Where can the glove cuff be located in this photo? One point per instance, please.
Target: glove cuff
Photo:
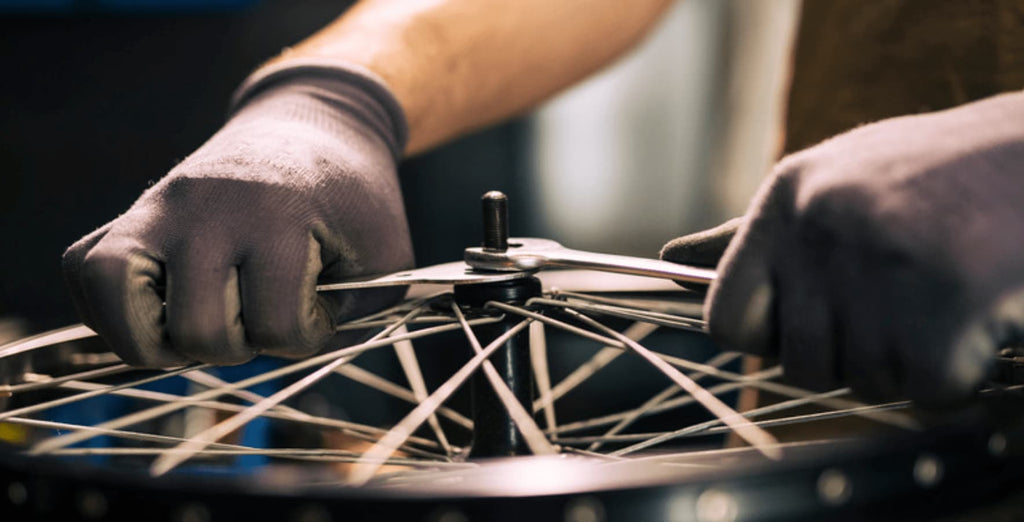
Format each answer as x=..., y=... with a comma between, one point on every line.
x=372, y=101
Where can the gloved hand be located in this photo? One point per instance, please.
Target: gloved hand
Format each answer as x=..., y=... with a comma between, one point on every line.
x=298, y=186
x=889, y=258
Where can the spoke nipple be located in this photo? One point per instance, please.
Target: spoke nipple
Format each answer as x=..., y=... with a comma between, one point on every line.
x=716, y=506
x=997, y=444
x=586, y=509
x=495, y=213
x=927, y=470
x=834, y=487
x=17, y=493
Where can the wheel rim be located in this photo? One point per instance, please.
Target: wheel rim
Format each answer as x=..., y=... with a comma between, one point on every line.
x=424, y=457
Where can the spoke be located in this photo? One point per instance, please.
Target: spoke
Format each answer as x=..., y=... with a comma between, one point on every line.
x=757, y=437
x=558, y=324
x=362, y=431
x=613, y=348
x=678, y=402
x=705, y=427
x=661, y=319
x=383, y=385
x=604, y=356
x=39, y=382
x=366, y=325
x=121, y=434
x=592, y=454
x=195, y=444
x=211, y=381
x=692, y=309
x=740, y=380
x=710, y=457
x=96, y=393
x=397, y=311
x=141, y=416
x=321, y=455
x=62, y=335
x=541, y=374
x=401, y=431
x=214, y=449
x=411, y=367
x=532, y=433
x=854, y=407
x=667, y=393
x=886, y=417
x=809, y=417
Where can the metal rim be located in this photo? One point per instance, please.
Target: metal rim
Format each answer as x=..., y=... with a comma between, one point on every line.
x=718, y=484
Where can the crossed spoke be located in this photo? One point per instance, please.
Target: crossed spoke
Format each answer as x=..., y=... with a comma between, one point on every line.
x=419, y=441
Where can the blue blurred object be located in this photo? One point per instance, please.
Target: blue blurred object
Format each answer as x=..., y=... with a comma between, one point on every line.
x=134, y=6
x=36, y=5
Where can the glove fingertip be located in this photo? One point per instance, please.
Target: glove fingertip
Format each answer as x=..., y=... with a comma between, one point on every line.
x=71, y=267
x=702, y=248
x=953, y=379
x=741, y=312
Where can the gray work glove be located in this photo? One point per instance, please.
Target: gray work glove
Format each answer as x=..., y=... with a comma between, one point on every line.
x=299, y=186
x=890, y=258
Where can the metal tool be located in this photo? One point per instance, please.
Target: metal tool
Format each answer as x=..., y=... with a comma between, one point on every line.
x=455, y=273
x=534, y=254
x=499, y=253
x=504, y=259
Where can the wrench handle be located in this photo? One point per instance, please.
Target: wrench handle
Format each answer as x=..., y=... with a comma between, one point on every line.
x=631, y=265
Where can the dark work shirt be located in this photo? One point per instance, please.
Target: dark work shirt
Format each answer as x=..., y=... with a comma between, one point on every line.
x=858, y=61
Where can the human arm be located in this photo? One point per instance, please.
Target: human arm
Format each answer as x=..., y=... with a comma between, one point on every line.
x=457, y=65
x=219, y=260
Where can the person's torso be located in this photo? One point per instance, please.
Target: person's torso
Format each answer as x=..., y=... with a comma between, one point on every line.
x=858, y=61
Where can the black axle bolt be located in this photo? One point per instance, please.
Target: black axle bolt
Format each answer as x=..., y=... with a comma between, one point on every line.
x=495, y=207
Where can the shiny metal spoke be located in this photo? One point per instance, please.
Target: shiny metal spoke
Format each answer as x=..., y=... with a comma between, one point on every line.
x=35, y=381
x=387, y=445
x=613, y=348
x=411, y=367
x=96, y=393
x=885, y=417
x=756, y=380
x=825, y=415
x=713, y=427
x=196, y=443
x=46, y=339
x=141, y=416
x=541, y=373
x=684, y=309
x=215, y=449
x=667, y=393
x=121, y=434
x=658, y=318
x=211, y=381
x=562, y=325
x=604, y=356
x=321, y=455
x=417, y=448
x=357, y=430
x=532, y=434
x=604, y=420
x=705, y=427
x=385, y=386
x=757, y=437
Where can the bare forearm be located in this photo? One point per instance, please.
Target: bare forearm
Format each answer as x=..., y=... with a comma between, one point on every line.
x=455, y=65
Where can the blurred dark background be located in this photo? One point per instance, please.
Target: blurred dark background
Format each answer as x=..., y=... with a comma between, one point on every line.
x=100, y=98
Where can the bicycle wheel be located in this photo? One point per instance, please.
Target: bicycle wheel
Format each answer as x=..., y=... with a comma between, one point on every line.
x=628, y=415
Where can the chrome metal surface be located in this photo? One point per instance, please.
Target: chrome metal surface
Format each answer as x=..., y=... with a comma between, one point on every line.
x=455, y=273
x=527, y=254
